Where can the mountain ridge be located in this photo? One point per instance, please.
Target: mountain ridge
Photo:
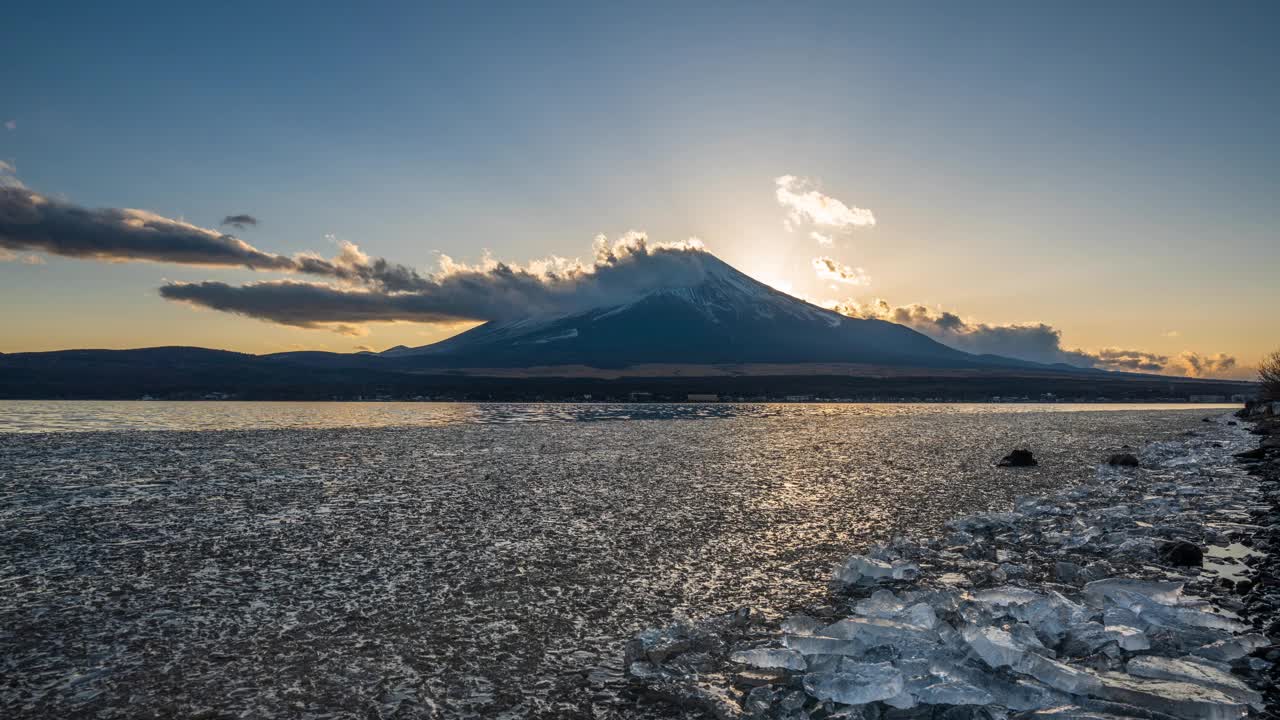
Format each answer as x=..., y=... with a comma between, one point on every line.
x=724, y=317
x=715, y=330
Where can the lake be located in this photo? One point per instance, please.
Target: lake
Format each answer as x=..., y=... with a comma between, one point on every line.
x=84, y=415
x=453, y=560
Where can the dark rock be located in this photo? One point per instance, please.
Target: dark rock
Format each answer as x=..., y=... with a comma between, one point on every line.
x=1183, y=554
x=1123, y=460
x=1254, y=454
x=1206, y=420
x=1244, y=586
x=1232, y=422
x=1018, y=458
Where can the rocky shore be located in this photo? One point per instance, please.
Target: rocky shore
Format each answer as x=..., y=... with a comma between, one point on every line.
x=1262, y=591
x=1151, y=592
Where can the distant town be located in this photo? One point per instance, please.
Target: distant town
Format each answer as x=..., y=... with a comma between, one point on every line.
x=649, y=397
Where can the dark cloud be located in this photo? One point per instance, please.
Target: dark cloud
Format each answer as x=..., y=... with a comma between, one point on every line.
x=30, y=221
x=491, y=291
x=368, y=289
x=1136, y=360
x=1037, y=342
x=307, y=305
x=240, y=221
x=33, y=222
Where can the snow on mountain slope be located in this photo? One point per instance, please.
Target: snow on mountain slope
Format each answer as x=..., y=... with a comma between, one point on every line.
x=722, y=317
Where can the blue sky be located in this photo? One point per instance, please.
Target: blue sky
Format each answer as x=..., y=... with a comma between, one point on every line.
x=1108, y=170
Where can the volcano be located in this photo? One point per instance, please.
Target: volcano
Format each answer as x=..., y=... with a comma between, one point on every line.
x=716, y=315
x=702, y=328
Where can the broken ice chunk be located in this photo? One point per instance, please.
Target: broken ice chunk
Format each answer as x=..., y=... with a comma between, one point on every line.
x=863, y=570
x=1051, y=615
x=1182, y=699
x=1124, y=592
x=1086, y=638
x=1128, y=637
x=995, y=646
x=856, y=683
x=769, y=658
x=1082, y=537
x=921, y=615
x=1004, y=596
x=815, y=645
x=1057, y=675
x=1152, y=613
x=1018, y=694
x=952, y=692
x=884, y=604
x=1232, y=649
x=881, y=604
x=801, y=625
x=1186, y=670
x=1075, y=712
x=1120, y=616
x=871, y=632
x=904, y=700
x=1125, y=627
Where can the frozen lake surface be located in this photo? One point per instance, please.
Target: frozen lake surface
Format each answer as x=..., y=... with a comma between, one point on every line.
x=87, y=415
x=464, y=568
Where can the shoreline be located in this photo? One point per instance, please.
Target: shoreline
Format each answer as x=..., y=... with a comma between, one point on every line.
x=915, y=627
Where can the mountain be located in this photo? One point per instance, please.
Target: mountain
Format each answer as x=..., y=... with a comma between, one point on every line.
x=714, y=331
x=724, y=316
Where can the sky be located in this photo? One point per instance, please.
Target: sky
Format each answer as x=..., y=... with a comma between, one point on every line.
x=1094, y=177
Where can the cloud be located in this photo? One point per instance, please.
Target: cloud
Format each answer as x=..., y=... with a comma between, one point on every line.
x=823, y=240
x=32, y=222
x=363, y=289
x=9, y=177
x=307, y=305
x=491, y=290
x=1135, y=360
x=806, y=204
x=1172, y=334
x=240, y=221
x=25, y=259
x=829, y=269
x=10, y=124
x=1037, y=342
x=1196, y=365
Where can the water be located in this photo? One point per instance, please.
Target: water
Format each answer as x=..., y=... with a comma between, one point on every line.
x=87, y=415
x=468, y=566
